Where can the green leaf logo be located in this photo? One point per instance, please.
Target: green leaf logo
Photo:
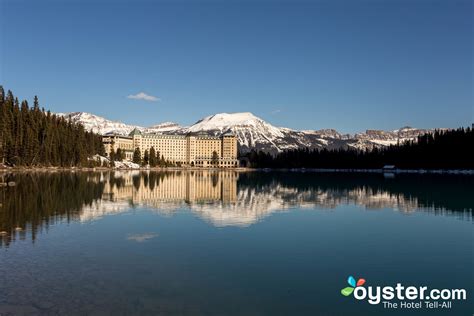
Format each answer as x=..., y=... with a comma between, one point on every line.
x=347, y=291
x=352, y=282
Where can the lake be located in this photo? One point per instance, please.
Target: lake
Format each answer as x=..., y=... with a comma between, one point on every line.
x=229, y=243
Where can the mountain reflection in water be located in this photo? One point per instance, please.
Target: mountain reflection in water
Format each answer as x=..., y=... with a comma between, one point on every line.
x=222, y=198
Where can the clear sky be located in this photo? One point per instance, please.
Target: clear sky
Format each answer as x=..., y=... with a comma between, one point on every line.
x=350, y=65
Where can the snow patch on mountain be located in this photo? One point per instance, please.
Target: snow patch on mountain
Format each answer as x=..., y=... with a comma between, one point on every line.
x=225, y=122
x=164, y=127
x=103, y=126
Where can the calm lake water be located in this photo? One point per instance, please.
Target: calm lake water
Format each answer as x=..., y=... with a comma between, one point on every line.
x=228, y=243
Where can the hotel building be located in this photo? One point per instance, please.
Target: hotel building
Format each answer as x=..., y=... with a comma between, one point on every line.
x=192, y=150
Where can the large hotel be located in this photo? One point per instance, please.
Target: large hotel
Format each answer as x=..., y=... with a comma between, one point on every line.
x=190, y=150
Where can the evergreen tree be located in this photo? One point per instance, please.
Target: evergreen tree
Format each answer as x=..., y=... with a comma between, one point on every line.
x=215, y=158
x=112, y=154
x=146, y=158
x=137, y=156
x=152, y=158
x=162, y=162
x=119, y=155
x=33, y=137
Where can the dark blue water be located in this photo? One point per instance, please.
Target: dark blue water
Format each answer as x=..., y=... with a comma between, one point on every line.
x=224, y=243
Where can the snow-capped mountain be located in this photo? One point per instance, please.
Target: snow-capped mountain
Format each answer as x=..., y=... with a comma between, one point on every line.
x=386, y=138
x=254, y=133
x=102, y=126
x=164, y=127
x=98, y=124
x=251, y=131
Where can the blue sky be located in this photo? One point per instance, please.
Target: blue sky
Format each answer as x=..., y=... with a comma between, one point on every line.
x=349, y=65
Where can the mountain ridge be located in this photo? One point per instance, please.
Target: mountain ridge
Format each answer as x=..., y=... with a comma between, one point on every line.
x=253, y=132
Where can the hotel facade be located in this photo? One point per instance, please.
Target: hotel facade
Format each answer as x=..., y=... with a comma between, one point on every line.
x=197, y=150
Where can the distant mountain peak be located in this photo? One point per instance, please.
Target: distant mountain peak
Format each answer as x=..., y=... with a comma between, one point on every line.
x=226, y=119
x=253, y=133
x=103, y=126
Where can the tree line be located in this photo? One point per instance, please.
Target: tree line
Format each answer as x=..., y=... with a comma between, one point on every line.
x=442, y=149
x=150, y=157
x=31, y=136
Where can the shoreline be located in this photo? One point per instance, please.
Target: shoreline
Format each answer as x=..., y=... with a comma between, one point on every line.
x=160, y=169
x=379, y=171
x=245, y=169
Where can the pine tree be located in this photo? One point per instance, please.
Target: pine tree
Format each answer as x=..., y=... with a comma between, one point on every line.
x=33, y=137
x=215, y=158
x=118, y=155
x=152, y=158
x=146, y=158
x=162, y=161
x=112, y=154
x=137, y=156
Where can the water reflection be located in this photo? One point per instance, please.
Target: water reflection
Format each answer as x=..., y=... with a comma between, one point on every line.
x=224, y=198
x=39, y=200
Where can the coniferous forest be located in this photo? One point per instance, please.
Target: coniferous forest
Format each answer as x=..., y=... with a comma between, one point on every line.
x=449, y=149
x=31, y=136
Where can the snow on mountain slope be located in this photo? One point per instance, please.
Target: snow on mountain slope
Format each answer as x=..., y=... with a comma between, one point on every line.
x=253, y=132
x=378, y=138
x=164, y=127
x=225, y=121
x=100, y=125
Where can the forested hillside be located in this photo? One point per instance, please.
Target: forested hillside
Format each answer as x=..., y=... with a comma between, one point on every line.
x=31, y=136
x=451, y=149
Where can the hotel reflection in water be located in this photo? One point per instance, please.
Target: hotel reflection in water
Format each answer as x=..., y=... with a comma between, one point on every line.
x=221, y=198
x=154, y=189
